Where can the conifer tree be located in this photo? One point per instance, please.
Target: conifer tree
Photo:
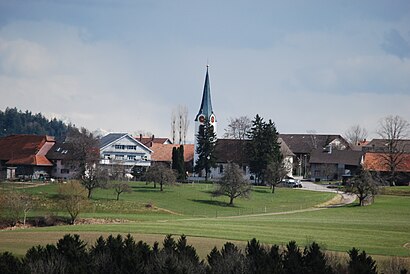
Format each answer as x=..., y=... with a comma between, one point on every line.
x=206, y=140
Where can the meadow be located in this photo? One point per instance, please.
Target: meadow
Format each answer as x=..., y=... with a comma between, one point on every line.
x=382, y=228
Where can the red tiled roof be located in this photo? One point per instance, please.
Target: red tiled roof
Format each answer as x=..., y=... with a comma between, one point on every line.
x=149, y=141
x=163, y=152
x=376, y=162
x=25, y=149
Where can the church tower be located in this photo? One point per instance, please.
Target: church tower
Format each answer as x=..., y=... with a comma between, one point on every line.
x=205, y=111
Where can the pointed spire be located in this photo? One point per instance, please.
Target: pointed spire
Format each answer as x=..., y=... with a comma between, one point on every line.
x=206, y=103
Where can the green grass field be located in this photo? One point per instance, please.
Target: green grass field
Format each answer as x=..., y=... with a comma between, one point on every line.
x=382, y=228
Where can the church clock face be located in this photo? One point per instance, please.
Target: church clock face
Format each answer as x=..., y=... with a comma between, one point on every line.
x=201, y=119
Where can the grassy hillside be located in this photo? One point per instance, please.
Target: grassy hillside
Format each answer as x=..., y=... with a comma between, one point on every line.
x=382, y=228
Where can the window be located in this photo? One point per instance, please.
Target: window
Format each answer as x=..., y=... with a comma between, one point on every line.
x=131, y=157
x=132, y=147
x=65, y=171
x=119, y=157
x=221, y=168
x=119, y=146
x=244, y=169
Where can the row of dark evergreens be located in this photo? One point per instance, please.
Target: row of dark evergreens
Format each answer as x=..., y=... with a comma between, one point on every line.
x=14, y=121
x=124, y=255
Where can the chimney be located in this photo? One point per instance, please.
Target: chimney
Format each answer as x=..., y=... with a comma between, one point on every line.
x=140, y=137
x=152, y=138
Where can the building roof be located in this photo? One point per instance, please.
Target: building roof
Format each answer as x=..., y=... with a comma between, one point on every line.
x=59, y=151
x=305, y=143
x=112, y=137
x=233, y=150
x=347, y=157
x=109, y=138
x=149, y=141
x=206, y=103
x=376, y=162
x=379, y=145
x=163, y=152
x=24, y=149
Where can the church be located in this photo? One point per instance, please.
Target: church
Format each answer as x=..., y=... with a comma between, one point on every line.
x=228, y=150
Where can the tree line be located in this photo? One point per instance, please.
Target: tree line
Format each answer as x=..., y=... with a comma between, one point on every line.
x=118, y=254
x=14, y=121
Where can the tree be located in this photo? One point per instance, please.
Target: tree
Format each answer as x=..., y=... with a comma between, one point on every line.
x=179, y=124
x=355, y=134
x=393, y=129
x=361, y=263
x=159, y=173
x=94, y=177
x=15, y=206
x=178, y=162
x=232, y=184
x=73, y=198
x=83, y=150
x=275, y=172
x=263, y=147
x=206, y=140
x=238, y=128
x=121, y=188
x=364, y=186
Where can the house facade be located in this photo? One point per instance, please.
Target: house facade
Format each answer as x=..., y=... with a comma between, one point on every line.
x=331, y=164
x=121, y=149
x=302, y=146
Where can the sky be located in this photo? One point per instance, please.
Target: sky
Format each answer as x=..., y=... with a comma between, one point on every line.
x=125, y=65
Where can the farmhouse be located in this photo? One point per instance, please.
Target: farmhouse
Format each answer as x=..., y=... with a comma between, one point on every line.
x=332, y=164
x=302, y=146
x=24, y=156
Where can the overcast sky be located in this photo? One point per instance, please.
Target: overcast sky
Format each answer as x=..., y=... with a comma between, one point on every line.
x=123, y=66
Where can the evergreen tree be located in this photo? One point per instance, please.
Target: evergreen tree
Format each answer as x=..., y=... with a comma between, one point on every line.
x=206, y=141
x=178, y=162
x=263, y=148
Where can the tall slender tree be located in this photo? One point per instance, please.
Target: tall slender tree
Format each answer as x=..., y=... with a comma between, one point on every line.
x=206, y=140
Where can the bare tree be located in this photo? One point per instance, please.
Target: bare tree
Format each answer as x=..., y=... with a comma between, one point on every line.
x=355, y=134
x=15, y=206
x=73, y=198
x=238, y=128
x=122, y=188
x=275, y=172
x=161, y=174
x=393, y=130
x=94, y=177
x=364, y=186
x=313, y=137
x=232, y=184
x=83, y=150
x=179, y=124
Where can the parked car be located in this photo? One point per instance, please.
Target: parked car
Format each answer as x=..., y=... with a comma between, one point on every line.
x=290, y=182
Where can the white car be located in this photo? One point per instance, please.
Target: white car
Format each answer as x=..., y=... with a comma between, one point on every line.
x=291, y=183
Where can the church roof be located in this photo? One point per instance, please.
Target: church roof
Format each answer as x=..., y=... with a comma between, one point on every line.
x=206, y=104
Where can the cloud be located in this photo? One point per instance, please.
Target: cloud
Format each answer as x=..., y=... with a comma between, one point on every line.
x=396, y=45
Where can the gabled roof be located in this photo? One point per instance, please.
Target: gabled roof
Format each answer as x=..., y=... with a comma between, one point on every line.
x=24, y=149
x=379, y=145
x=114, y=137
x=347, y=157
x=376, y=162
x=305, y=143
x=149, y=141
x=59, y=151
x=163, y=152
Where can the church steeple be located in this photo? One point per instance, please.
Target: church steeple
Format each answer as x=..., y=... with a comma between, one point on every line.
x=206, y=111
